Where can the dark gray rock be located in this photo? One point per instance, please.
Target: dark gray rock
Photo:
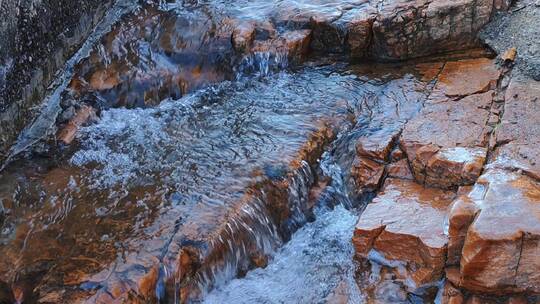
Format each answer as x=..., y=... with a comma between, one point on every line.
x=520, y=28
x=36, y=39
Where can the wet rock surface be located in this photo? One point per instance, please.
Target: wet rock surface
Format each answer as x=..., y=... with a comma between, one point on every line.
x=138, y=201
x=169, y=49
x=447, y=143
x=481, y=264
x=36, y=39
x=187, y=157
x=405, y=225
x=502, y=260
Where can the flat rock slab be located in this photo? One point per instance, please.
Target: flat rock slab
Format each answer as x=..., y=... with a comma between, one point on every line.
x=405, y=224
x=518, y=136
x=452, y=132
x=446, y=143
x=468, y=76
x=500, y=248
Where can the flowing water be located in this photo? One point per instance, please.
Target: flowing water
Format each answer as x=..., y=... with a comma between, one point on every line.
x=319, y=258
x=229, y=163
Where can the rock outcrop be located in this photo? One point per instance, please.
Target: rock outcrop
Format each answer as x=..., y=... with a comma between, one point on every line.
x=478, y=131
x=217, y=45
x=405, y=29
x=506, y=196
x=447, y=143
x=505, y=259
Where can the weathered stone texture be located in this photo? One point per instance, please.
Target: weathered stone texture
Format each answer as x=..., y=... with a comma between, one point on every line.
x=405, y=223
x=502, y=259
x=36, y=39
x=519, y=132
x=446, y=143
x=405, y=29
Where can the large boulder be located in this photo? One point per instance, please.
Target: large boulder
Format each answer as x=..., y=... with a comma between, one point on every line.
x=405, y=29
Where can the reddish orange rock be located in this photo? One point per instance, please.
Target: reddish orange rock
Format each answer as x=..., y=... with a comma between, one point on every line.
x=400, y=169
x=476, y=299
x=377, y=145
x=67, y=134
x=104, y=79
x=469, y=76
x=451, y=295
x=372, y=152
x=500, y=252
x=359, y=23
x=405, y=223
x=438, y=124
x=243, y=36
x=294, y=44
x=397, y=154
x=441, y=154
x=448, y=167
x=462, y=214
x=518, y=299
x=367, y=173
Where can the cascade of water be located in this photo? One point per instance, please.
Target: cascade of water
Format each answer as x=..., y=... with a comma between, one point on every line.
x=254, y=230
x=261, y=64
x=319, y=255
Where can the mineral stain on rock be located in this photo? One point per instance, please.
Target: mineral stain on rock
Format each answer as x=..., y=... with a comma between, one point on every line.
x=204, y=151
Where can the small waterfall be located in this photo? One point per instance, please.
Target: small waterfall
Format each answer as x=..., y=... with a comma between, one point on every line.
x=255, y=229
x=318, y=257
x=261, y=64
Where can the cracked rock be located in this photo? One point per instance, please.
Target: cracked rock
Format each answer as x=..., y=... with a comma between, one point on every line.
x=405, y=224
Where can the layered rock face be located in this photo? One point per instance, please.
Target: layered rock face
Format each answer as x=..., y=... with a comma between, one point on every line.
x=430, y=143
x=483, y=239
x=446, y=144
x=404, y=29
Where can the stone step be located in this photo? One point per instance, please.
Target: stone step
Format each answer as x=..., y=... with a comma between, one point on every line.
x=501, y=260
x=403, y=228
x=446, y=144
